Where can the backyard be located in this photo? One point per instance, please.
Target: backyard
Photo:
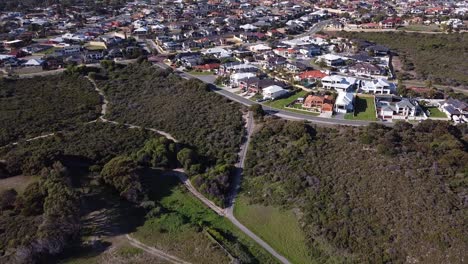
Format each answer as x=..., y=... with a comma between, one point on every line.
x=435, y=112
x=364, y=109
x=283, y=102
x=279, y=228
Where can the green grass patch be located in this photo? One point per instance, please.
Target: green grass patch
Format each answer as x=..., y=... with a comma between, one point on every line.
x=178, y=225
x=435, y=112
x=277, y=227
x=430, y=28
x=129, y=251
x=94, y=47
x=364, y=109
x=281, y=103
x=200, y=73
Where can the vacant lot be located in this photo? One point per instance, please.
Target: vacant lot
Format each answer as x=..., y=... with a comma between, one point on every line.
x=277, y=227
x=364, y=109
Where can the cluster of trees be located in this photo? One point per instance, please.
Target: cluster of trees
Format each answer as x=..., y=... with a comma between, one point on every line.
x=427, y=54
x=94, y=144
x=40, y=221
x=31, y=107
x=209, y=124
x=367, y=195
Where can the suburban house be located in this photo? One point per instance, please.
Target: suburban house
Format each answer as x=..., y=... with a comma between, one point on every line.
x=235, y=67
x=339, y=83
x=379, y=86
x=366, y=69
x=235, y=78
x=331, y=60
x=295, y=66
x=319, y=103
x=274, y=92
x=455, y=109
x=218, y=52
x=393, y=107
x=256, y=85
x=309, y=78
x=344, y=102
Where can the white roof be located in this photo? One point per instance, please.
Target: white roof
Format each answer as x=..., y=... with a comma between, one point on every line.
x=242, y=75
x=34, y=62
x=259, y=47
x=331, y=57
x=273, y=89
x=3, y=56
x=248, y=27
x=141, y=29
x=217, y=50
x=344, y=98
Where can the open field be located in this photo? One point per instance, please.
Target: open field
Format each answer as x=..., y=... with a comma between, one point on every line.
x=364, y=109
x=277, y=227
x=19, y=183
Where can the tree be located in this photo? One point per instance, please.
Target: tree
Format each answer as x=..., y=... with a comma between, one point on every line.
x=7, y=199
x=257, y=111
x=120, y=173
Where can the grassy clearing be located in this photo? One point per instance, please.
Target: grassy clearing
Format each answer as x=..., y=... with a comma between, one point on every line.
x=121, y=253
x=180, y=229
x=430, y=28
x=279, y=228
x=364, y=109
x=19, y=183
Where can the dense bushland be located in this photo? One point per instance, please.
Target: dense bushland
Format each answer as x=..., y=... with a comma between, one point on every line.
x=32, y=107
x=367, y=195
x=209, y=124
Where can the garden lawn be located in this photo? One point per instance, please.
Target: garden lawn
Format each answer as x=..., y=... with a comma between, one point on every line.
x=435, y=112
x=364, y=109
x=277, y=227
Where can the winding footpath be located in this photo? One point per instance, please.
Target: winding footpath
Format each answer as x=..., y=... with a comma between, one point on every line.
x=229, y=211
x=155, y=252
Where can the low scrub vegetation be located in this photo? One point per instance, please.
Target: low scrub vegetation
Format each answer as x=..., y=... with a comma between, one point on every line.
x=42, y=105
x=367, y=195
x=207, y=123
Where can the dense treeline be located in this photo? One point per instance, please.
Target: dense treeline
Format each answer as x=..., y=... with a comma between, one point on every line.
x=437, y=57
x=45, y=218
x=367, y=195
x=22, y=5
x=31, y=107
x=208, y=123
x=42, y=220
x=94, y=144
